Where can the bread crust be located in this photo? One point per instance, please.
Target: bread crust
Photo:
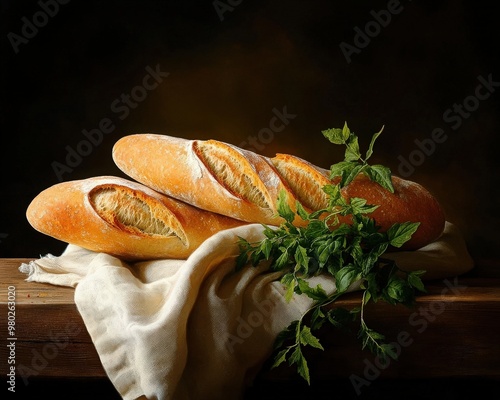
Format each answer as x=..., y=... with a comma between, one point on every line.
x=208, y=174
x=410, y=202
x=123, y=218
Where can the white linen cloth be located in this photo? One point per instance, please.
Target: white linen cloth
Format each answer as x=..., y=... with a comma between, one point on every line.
x=196, y=328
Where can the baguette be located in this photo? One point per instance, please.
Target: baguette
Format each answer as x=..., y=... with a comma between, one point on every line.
x=122, y=218
x=210, y=175
x=205, y=174
x=410, y=202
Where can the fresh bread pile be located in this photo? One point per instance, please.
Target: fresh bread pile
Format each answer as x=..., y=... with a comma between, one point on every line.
x=227, y=180
x=184, y=191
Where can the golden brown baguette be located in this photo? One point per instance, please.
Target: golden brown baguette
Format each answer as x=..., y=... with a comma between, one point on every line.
x=123, y=218
x=241, y=184
x=208, y=174
x=410, y=202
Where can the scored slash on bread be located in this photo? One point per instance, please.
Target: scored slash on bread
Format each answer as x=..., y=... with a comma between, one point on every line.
x=122, y=218
x=305, y=179
x=242, y=176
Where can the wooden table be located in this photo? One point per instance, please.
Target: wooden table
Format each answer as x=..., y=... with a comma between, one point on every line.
x=452, y=333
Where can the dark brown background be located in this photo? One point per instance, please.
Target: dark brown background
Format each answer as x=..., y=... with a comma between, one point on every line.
x=227, y=76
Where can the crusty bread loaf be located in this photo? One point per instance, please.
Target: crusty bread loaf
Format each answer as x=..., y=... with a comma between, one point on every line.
x=241, y=184
x=122, y=218
x=211, y=175
x=410, y=202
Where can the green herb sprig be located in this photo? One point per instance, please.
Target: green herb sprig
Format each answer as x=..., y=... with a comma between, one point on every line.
x=354, y=164
x=350, y=253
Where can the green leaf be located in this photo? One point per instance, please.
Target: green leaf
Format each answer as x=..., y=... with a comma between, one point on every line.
x=372, y=286
x=280, y=357
x=352, y=149
x=295, y=356
x=345, y=277
x=397, y=290
x=357, y=202
x=338, y=169
x=298, y=358
x=367, y=297
x=349, y=175
x=359, y=206
x=335, y=135
x=301, y=257
x=342, y=231
x=315, y=230
x=301, y=285
x=369, y=338
x=307, y=338
x=282, y=261
x=283, y=208
x=266, y=248
x=290, y=290
x=377, y=250
x=387, y=349
x=301, y=212
x=270, y=233
x=286, y=279
x=324, y=251
x=346, y=132
x=372, y=228
x=356, y=250
x=317, y=318
x=335, y=198
x=382, y=175
x=415, y=281
x=317, y=293
x=399, y=234
x=369, y=152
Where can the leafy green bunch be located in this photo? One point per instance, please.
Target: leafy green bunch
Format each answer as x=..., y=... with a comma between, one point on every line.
x=351, y=253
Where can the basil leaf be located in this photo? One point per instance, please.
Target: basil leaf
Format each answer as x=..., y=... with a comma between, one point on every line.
x=382, y=175
x=283, y=208
x=346, y=132
x=334, y=135
x=349, y=175
x=345, y=277
x=338, y=168
x=399, y=234
x=352, y=149
x=415, y=281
